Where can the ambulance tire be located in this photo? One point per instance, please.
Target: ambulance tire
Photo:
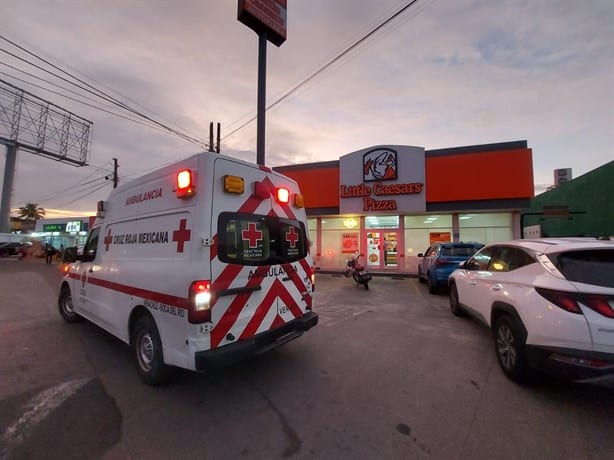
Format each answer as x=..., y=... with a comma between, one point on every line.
x=148, y=352
x=65, y=306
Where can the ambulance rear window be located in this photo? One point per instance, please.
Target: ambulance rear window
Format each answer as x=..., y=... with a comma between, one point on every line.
x=249, y=239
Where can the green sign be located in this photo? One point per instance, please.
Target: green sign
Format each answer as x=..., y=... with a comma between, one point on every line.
x=54, y=227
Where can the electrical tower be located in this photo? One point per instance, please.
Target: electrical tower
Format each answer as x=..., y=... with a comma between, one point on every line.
x=35, y=125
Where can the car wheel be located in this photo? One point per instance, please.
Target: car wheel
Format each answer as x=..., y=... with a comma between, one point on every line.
x=455, y=307
x=432, y=285
x=148, y=352
x=509, y=347
x=65, y=306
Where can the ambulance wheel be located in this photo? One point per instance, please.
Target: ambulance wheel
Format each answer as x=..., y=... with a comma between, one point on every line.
x=65, y=306
x=148, y=351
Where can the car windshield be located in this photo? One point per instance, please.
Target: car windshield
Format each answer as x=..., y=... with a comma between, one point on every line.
x=594, y=266
x=458, y=251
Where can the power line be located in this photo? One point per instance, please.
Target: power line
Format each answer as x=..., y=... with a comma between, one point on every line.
x=138, y=122
x=95, y=91
x=85, y=196
x=327, y=65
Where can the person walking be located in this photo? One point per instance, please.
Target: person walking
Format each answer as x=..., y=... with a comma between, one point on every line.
x=49, y=252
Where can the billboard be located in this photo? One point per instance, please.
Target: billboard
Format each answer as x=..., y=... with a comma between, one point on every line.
x=265, y=16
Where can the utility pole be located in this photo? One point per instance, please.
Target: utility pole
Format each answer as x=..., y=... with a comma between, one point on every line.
x=115, y=178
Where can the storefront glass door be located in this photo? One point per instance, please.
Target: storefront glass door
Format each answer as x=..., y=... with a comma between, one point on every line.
x=381, y=249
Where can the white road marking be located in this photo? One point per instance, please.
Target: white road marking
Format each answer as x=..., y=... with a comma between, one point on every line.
x=35, y=411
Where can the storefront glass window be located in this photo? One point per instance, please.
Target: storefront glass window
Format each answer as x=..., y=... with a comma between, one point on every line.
x=420, y=232
x=331, y=253
x=340, y=223
x=429, y=221
x=486, y=228
x=312, y=226
x=382, y=222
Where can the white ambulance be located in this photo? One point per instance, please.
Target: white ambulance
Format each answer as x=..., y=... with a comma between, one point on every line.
x=196, y=265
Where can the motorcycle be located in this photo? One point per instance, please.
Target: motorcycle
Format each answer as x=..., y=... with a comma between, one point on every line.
x=357, y=271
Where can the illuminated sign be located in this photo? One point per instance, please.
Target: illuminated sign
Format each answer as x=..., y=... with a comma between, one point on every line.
x=265, y=16
x=54, y=227
x=387, y=179
x=73, y=227
x=379, y=164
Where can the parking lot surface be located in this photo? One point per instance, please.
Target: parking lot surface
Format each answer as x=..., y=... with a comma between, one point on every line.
x=388, y=373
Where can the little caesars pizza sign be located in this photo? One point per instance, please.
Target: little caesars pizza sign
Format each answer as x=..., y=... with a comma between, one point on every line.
x=387, y=179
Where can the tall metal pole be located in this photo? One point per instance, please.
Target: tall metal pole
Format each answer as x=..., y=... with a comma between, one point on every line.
x=115, y=178
x=262, y=41
x=7, y=188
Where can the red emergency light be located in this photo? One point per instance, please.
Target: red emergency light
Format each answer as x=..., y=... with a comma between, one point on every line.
x=185, y=184
x=283, y=195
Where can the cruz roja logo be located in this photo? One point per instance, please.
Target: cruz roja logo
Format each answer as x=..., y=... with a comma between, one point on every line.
x=379, y=165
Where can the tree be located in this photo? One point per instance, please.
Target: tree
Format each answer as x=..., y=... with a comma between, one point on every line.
x=31, y=211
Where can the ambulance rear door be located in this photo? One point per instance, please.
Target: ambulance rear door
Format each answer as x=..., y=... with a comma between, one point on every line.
x=260, y=266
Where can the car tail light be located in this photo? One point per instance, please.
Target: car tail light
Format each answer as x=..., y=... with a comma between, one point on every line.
x=562, y=299
x=199, y=302
x=598, y=303
x=569, y=301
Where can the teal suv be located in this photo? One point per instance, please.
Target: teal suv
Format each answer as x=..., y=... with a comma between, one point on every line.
x=441, y=259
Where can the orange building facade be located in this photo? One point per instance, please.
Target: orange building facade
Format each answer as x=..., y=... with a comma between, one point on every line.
x=390, y=202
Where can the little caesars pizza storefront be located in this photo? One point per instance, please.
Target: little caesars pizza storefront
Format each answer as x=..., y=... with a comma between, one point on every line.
x=391, y=202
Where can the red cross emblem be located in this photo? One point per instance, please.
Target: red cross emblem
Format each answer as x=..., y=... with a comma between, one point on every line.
x=252, y=235
x=292, y=237
x=182, y=235
x=108, y=240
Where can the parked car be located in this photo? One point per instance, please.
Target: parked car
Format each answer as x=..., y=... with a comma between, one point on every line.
x=9, y=249
x=548, y=302
x=441, y=259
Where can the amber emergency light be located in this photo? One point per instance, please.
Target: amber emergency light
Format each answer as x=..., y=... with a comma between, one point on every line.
x=185, y=184
x=234, y=184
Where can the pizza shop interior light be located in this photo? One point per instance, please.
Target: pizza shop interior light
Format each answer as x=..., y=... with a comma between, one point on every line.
x=350, y=223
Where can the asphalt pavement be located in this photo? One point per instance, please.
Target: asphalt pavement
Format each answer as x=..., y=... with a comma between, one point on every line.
x=388, y=373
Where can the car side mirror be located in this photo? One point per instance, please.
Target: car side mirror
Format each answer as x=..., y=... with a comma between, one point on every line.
x=420, y=254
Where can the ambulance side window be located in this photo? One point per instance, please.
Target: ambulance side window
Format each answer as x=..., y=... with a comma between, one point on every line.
x=243, y=239
x=292, y=240
x=249, y=239
x=89, y=251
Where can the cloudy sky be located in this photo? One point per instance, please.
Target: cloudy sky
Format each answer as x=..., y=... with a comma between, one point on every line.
x=446, y=73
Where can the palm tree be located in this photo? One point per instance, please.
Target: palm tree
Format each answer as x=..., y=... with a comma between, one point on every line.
x=31, y=211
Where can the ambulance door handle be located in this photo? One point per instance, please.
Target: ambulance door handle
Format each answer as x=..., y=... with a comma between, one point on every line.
x=287, y=278
x=239, y=290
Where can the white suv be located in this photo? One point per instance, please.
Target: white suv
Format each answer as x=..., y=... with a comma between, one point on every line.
x=549, y=303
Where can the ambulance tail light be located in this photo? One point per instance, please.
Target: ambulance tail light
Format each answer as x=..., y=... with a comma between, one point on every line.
x=312, y=278
x=283, y=195
x=186, y=188
x=199, y=302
